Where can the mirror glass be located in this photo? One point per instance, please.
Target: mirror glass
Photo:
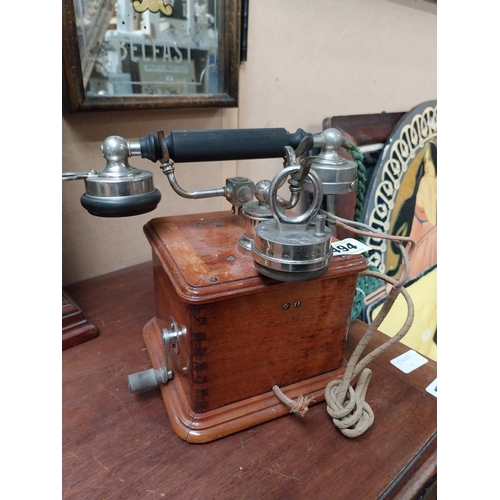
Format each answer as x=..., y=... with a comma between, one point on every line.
x=132, y=48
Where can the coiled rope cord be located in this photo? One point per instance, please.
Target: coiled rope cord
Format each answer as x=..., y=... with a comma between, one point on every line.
x=346, y=405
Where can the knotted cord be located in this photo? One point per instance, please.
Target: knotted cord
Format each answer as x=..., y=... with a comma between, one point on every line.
x=345, y=404
x=298, y=407
x=353, y=416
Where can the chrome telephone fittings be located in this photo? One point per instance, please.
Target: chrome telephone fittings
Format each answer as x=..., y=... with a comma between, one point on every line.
x=168, y=170
x=171, y=337
x=338, y=175
x=286, y=222
x=74, y=176
x=254, y=212
x=289, y=248
x=290, y=159
x=296, y=181
x=119, y=190
x=148, y=379
x=239, y=190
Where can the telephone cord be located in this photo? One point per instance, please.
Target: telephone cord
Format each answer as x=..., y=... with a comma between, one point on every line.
x=350, y=413
x=353, y=416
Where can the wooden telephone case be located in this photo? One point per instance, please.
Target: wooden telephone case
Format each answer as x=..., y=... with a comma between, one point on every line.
x=240, y=333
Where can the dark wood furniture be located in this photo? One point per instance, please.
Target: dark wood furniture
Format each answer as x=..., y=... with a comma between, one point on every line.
x=119, y=445
x=365, y=129
x=76, y=329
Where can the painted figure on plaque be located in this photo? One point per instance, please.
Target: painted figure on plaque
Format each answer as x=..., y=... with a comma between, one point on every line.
x=402, y=200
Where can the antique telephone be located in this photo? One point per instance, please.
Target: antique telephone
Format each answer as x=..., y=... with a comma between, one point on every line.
x=253, y=305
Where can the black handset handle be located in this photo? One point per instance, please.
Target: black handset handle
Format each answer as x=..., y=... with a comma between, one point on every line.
x=220, y=145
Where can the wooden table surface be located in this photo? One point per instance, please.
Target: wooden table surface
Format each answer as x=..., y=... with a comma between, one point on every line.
x=118, y=445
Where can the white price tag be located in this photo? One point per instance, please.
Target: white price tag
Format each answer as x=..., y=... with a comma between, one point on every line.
x=409, y=361
x=432, y=388
x=349, y=246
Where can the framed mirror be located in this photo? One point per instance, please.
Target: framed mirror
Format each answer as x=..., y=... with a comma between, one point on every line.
x=133, y=54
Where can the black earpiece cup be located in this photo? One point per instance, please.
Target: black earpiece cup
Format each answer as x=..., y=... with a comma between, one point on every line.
x=121, y=206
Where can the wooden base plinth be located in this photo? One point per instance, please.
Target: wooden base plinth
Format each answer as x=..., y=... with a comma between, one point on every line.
x=76, y=329
x=208, y=426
